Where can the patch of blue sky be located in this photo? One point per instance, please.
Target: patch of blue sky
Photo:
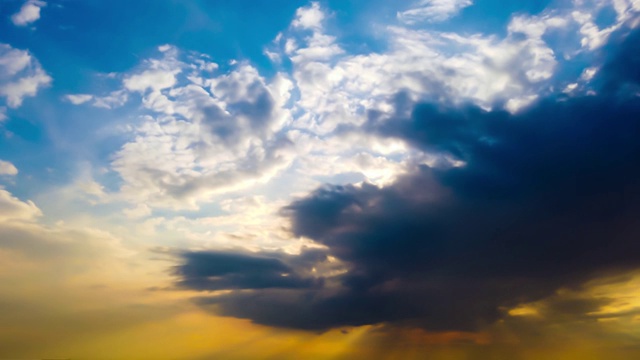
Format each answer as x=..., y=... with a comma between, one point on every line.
x=606, y=17
x=360, y=24
x=73, y=37
x=47, y=137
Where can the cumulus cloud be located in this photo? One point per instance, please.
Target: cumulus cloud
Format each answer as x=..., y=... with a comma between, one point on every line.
x=520, y=206
x=153, y=79
x=29, y=13
x=20, y=75
x=202, y=134
x=490, y=71
x=309, y=17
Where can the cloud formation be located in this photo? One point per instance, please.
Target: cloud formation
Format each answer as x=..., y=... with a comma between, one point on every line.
x=202, y=133
x=519, y=206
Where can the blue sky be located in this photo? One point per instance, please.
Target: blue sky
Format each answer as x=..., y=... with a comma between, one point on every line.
x=303, y=149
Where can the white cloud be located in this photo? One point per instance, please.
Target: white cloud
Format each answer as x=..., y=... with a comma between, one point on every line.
x=536, y=26
x=12, y=61
x=27, y=86
x=154, y=79
x=7, y=168
x=570, y=88
x=20, y=75
x=309, y=17
x=158, y=74
x=164, y=48
x=588, y=74
x=77, y=99
x=585, y=12
x=338, y=88
x=202, y=135
x=29, y=12
x=433, y=11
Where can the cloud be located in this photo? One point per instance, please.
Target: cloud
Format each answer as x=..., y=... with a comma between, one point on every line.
x=586, y=11
x=310, y=17
x=227, y=270
x=202, y=133
x=113, y=100
x=7, y=168
x=29, y=13
x=519, y=207
x=432, y=11
x=13, y=209
x=491, y=71
x=78, y=99
x=154, y=79
x=20, y=75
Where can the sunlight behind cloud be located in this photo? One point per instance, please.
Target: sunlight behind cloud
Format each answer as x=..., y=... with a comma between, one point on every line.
x=441, y=179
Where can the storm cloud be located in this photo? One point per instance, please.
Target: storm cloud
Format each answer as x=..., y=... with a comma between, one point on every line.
x=520, y=206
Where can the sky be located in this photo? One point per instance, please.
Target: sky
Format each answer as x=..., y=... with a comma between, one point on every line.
x=335, y=179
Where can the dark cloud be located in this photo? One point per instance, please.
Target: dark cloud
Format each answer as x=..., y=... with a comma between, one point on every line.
x=622, y=71
x=221, y=270
x=546, y=199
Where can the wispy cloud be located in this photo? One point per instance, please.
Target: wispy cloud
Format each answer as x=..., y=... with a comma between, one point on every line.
x=433, y=11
